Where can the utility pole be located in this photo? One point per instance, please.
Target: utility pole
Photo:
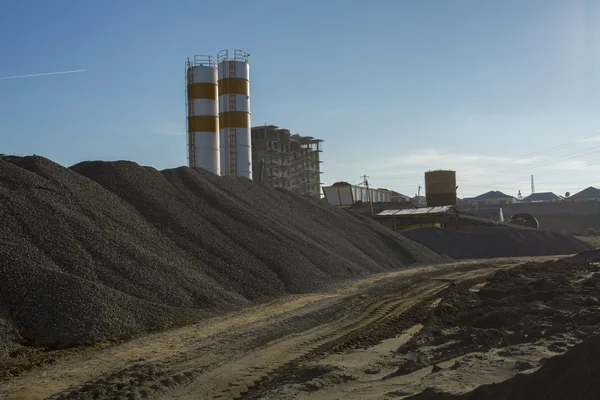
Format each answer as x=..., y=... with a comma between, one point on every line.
x=532, y=185
x=365, y=179
x=419, y=196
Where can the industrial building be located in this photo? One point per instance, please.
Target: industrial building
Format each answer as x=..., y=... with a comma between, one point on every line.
x=218, y=113
x=286, y=160
x=343, y=195
x=440, y=195
x=440, y=216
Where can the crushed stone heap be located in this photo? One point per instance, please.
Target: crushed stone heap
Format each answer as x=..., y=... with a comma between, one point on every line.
x=111, y=249
x=492, y=242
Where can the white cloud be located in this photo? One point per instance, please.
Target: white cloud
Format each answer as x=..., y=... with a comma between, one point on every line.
x=471, y=164
x=593, y=139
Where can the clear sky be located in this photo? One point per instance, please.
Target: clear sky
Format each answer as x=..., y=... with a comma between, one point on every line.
x=394, y=88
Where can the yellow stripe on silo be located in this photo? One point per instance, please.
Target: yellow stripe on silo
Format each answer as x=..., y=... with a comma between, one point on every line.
x=234, y=86
x=203, y=123
x=234, y=119
x=202, y=91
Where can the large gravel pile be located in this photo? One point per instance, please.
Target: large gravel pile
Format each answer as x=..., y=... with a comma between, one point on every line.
x=489, y=242
x=104, y=250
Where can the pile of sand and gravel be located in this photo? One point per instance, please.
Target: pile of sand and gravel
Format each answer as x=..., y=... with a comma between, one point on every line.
x=111, y=249
x=491, y=242
x=553, y=304
x=573, y=375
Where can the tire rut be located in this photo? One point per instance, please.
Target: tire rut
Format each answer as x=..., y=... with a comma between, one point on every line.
x=233, y=364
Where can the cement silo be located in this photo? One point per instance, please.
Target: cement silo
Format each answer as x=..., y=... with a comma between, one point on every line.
x=440, y=188
x=202, y=114
x=234, y=113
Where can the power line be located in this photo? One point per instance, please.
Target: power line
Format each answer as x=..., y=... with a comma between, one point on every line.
x=525, y=167
x=560, y=146
x=397, y=177
x=548, y=162
x=593, y=162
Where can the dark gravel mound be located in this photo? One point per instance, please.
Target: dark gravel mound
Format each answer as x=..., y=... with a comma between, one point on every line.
x=573, y=375
x=105, y=250
x=490, y=242
x=569, y=222
x=592, y=256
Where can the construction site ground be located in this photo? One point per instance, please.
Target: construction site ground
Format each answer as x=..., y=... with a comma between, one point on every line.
x=380, y=337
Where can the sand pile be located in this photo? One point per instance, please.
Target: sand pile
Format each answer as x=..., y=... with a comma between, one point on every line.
x=490, y=242
x=107, y=250
x=553, y=304
x=573, y=375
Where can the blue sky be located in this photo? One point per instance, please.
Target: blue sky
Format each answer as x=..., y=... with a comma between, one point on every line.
x=394, y=88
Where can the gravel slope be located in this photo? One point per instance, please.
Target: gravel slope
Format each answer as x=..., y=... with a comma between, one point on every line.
x=489, y=242
x=111, y=249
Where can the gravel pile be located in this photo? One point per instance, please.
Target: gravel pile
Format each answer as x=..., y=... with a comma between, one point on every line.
x=489, y=242
x=573, y=375
x=111, y=249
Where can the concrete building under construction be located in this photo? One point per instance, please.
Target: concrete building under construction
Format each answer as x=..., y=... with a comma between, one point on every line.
x=286, y=160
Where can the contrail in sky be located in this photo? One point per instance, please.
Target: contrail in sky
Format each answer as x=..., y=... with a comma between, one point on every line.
x=43, y=74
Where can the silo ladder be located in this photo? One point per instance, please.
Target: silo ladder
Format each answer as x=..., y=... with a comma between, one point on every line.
x=232, y=131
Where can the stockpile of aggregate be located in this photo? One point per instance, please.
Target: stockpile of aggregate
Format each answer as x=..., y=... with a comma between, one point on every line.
x=111, y=249
x=490, y=242
x=573, y=375
x=553, y=304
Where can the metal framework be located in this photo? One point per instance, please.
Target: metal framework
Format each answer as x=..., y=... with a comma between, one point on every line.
x=232, y=131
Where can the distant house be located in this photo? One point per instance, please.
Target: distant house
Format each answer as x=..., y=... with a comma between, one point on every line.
x=542, y=197
x=589, y=194
x=493, y=197
x=400, y=198
x=419, y=201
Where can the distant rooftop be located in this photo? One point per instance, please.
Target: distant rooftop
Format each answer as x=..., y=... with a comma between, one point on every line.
x=589, y=193
x=396, y=194
x=542, y=196
x=493, y=194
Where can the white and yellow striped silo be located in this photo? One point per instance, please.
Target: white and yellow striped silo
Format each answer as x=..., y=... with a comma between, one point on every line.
x=203, y=114
x=234, y=113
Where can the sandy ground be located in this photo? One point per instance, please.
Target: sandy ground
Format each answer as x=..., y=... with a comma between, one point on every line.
x=338, y=344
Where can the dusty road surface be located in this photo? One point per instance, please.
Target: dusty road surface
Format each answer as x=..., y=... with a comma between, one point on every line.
x=289, y=348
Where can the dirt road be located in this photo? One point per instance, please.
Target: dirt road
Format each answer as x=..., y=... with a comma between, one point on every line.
x=247, y=353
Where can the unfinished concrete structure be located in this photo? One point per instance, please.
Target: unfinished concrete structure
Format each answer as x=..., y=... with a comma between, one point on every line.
x=286, y=160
